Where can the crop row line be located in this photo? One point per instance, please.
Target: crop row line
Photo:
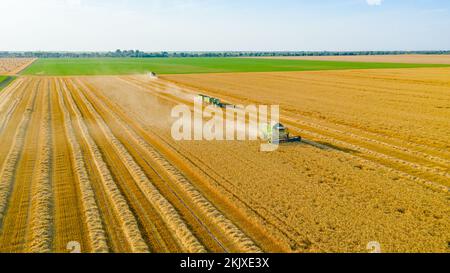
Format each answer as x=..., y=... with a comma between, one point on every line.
x=93, y=220
x=173, y=220
x=116, y=199
x=207, y=208
x=7, y=172
x=40, y=239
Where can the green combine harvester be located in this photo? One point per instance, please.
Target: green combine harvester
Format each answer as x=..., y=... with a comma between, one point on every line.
x=278, y=134
x=216, y=102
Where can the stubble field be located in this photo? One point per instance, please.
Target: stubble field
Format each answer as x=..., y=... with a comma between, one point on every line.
x=13, y=66
x=90, y=160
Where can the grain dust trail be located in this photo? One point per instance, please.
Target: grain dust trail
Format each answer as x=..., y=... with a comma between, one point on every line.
x=234, y=234
x=155, y=232
x=429, y=169
x=171, y=216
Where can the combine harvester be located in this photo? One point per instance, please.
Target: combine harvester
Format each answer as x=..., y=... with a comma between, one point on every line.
x=153, y=76
x=274, y=134
x=279, y=134
x=216, y=102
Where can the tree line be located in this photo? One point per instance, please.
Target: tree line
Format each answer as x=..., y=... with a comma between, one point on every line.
x=164, y=54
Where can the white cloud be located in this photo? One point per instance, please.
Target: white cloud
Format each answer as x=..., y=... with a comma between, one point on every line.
x=374, y=2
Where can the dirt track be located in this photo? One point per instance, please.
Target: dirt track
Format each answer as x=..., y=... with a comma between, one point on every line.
x=415, y=59
x=91, y=160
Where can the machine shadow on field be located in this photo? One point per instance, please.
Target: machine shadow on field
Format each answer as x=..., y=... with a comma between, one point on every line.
x=337, y=148
x=326, y=146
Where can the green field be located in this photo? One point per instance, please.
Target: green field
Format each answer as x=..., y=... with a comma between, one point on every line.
x=4, y=81
x=118, y=66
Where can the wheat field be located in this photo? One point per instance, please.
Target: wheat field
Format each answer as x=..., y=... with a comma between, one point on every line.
x=91, y=160
x=13, y=66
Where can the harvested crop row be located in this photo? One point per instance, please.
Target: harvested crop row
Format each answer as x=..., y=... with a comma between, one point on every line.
x=9, y=92
x=153, y=228
x=281, y=227
x=12, y=105
x=96, y=233
x=428, y=183
x=413, y=154
x=40, y=227
x=117, y=201
x=425, y=182
x=403, y=151
x=235, y=235
x=313, y=191
x=244, y=214
x=173, y=220
x=426, y=158
x=11, y=66
x=414, y=169
x=8, y=169
x=352, y=99
x=149, y=217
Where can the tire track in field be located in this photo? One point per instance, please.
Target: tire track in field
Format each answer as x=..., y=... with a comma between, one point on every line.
x=172, y=219
x=91, y=218
x=188, y=190
x=12, y=107
x=281, y=227
x=160, y=182
x=199, y=228
x=41, y=208
x=15, y=175
x=392, y=162
x=158, y=237
x=9, y=91
x=413, y=151
x=127, y=221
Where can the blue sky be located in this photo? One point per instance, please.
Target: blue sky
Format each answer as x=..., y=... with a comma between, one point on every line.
x=176, y=25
